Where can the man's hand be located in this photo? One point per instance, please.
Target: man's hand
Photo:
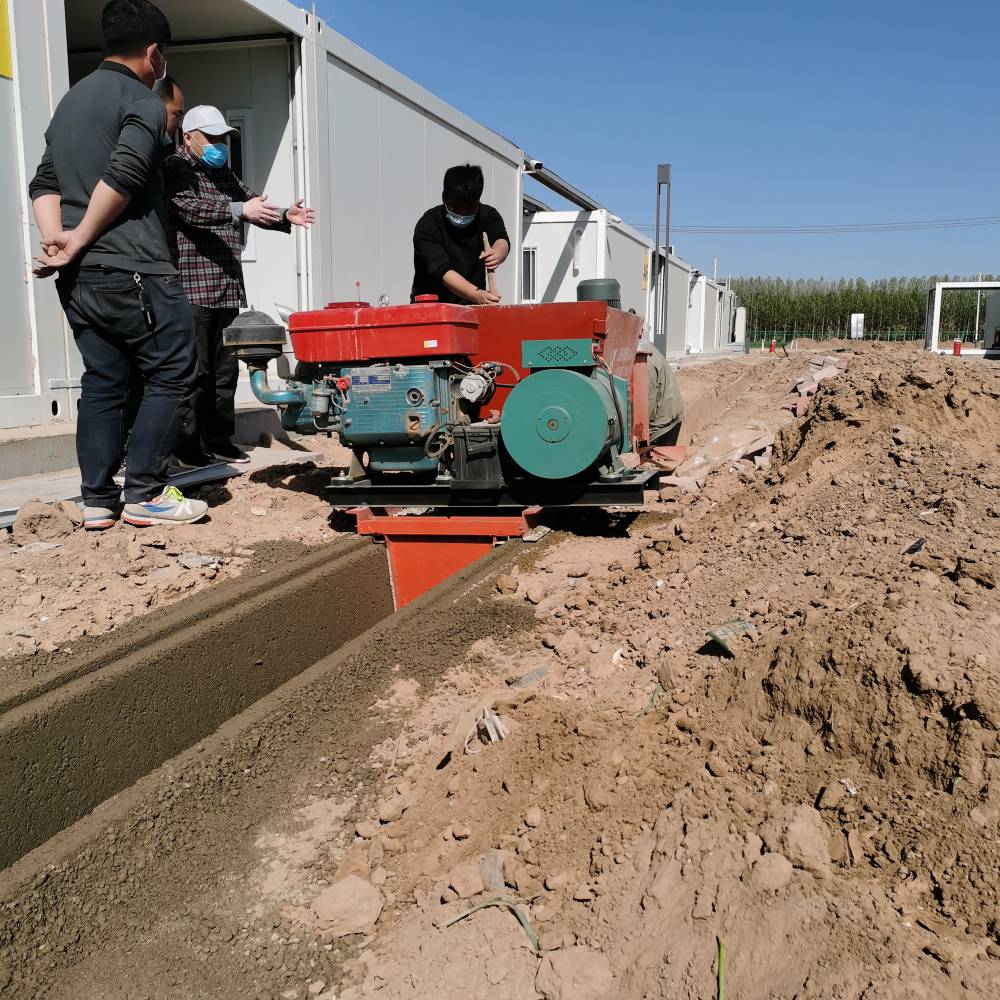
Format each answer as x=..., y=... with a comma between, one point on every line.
x=59, y=251
x=299, y=215
x=485, y=298
x=494, y=257
x=258, y=211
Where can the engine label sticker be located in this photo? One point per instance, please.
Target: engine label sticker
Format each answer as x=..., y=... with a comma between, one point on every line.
x=430, y=343
x=371, y=379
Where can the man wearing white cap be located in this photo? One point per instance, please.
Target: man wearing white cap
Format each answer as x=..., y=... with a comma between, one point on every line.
x=208, y=204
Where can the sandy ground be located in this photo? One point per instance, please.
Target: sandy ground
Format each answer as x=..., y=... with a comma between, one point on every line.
x=819, y=805
x=822, y=804
x=63, y=586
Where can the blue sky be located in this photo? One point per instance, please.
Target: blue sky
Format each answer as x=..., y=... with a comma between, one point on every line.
x=772, y=113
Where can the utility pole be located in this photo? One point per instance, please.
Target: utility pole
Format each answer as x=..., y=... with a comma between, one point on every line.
x=975, y=331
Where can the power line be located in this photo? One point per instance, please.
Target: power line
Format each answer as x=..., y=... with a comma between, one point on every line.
x=824, y=230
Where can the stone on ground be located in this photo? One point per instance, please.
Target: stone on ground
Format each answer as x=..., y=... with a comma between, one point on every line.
x=574, y=974
x=806, y=842
x=771, y=872
x=351, y=906
x=40, y=522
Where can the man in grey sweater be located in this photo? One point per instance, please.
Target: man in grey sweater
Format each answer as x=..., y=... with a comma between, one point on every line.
x=98, y=201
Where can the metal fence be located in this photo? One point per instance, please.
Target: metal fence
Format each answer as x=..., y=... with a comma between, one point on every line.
x=758, y=337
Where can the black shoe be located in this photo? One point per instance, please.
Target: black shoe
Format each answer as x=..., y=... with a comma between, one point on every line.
x=231, y=456
x=186, y=460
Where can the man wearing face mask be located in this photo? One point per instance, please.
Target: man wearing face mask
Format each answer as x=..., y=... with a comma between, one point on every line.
x=98, y=202
x=449, y=258
x=173, y=103
x=208, y=204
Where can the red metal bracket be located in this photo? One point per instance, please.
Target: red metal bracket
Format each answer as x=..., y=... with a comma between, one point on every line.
x=424, y=550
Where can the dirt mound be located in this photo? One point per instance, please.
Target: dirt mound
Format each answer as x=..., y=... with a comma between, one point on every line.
x=814, y=810
x=825, y=802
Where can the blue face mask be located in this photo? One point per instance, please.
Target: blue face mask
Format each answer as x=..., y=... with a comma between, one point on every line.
x=214, y=155
x=459, y=220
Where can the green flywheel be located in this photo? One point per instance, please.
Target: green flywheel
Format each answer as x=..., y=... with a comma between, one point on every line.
x=556, y=423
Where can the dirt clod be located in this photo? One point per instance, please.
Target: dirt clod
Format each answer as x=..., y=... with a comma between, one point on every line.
x=574, y=974
x=350, y=906
x=40, y=522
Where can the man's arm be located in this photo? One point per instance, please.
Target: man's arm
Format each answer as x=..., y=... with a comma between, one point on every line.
x=453, y=281
x=496, y=235
x=65, y=246
x=138, y=149
x=46, y=202
x=255, y=208
x=48, y=215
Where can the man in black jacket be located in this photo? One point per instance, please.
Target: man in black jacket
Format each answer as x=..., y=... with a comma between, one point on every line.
x=98, y=201
x=449, y=256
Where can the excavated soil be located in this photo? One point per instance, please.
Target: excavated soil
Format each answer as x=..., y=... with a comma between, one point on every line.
x=66, y=594
x=818, y=806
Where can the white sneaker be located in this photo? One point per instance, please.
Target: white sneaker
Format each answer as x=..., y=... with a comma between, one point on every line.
x=170, y=507
x=100, y=518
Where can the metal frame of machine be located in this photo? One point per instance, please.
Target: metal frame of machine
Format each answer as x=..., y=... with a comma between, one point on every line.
x=481, y=416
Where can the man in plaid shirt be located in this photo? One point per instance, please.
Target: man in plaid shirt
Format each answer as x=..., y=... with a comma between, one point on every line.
x=208, y=204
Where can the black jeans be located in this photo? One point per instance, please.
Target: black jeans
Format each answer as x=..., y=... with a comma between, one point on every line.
x=211, y=422
x=102, y=306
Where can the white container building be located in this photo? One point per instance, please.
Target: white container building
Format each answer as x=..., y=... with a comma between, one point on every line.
x=560, y=249
x=319, y=119
x=711, y=319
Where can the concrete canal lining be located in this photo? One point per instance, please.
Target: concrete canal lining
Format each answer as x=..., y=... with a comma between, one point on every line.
x=72, y=742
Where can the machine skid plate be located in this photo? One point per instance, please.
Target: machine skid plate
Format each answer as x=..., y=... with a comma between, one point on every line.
x=424, y=550
x=554, y=493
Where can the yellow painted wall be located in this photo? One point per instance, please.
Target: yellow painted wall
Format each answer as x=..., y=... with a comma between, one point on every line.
x=6, y=62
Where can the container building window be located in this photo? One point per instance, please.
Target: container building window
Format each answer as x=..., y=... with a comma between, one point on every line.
x=528, y=272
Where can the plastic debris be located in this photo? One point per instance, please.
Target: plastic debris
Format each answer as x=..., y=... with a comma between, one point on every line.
x=536, y=534
x=531, y=677
x=491, y=868
x=195, y=560
x=510, y=904
x=489, y=727
x=654, y=698
x=724, y=634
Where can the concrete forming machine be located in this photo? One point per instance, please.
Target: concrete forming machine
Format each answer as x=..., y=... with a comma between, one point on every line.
x=484, y=415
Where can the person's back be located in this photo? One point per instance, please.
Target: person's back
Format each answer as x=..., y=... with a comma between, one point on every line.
x=85, y=144
x=97, y=198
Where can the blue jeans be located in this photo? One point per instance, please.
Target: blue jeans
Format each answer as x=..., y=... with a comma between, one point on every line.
x=103, y=308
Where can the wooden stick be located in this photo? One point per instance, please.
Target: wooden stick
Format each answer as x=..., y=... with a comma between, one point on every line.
x=491, y=278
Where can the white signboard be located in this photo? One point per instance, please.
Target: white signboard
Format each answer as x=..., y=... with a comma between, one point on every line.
x=857, y=326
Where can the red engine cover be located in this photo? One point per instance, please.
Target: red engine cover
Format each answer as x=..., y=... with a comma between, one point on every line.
x=356, y=332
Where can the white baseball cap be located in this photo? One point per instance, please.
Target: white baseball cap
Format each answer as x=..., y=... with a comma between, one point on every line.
x=205, y=118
